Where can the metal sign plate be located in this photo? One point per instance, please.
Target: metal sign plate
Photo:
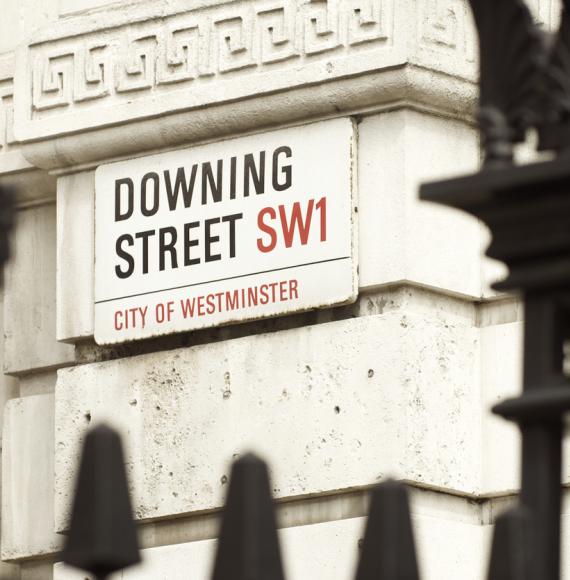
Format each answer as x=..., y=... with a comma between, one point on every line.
x=242, y=229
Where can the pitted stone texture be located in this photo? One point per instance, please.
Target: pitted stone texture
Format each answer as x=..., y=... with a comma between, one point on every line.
x=327, y=551
x=29, y=303
x=75, y=255
x=334, y=406
x=28, y=479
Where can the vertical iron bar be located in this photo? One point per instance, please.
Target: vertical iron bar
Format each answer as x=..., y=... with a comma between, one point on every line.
x=388, y=550
x=542, y=436
x=248, y=545
x=540, y=493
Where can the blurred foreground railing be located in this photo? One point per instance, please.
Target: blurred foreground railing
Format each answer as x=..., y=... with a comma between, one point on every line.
x=102, y=535
x=525, y=84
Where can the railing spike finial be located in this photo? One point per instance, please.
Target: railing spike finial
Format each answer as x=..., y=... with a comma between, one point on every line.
x=512, y=57
x=510, y=554
x=102, y=536
x=248, y=547
x=388, y=552
x=554, y=127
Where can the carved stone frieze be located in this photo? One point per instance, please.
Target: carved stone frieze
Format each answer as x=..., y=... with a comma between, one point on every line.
x=6, y=115
x=445, y=26
x=199, y=45
x=11, y=160
x=122, y=67
x=216, y=53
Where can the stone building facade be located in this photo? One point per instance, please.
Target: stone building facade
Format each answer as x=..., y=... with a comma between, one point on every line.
x=398, y=383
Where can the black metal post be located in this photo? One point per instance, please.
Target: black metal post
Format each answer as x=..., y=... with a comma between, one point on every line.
x=248, y=546
x=542, y=435
x=525, y=82
x=102, y=536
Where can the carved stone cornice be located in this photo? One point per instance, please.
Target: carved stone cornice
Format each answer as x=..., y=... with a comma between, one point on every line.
x=11, y=160
x=16, y=171
x=166, y=70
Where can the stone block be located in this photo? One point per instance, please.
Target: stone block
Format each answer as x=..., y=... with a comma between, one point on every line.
x=401, y=237
x=75, y=255
x=28, y=479
x=30, y=296
x=332, y=406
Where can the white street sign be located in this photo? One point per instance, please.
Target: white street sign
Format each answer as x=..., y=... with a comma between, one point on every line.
x=237, y=230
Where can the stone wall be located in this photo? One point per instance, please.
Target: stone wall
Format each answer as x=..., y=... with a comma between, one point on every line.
x=399, y=383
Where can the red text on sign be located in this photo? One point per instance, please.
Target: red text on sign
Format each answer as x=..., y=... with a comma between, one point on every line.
x=292, y=222
x=130, y=318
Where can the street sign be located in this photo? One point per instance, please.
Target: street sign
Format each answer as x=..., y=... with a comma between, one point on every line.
x=237, y=230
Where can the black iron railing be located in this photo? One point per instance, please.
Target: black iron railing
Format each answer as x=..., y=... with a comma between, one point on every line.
x=525, y=84
x=102, y=536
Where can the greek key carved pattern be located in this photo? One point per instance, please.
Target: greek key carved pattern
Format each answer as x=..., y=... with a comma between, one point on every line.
x=6, y=115
x=277, y=34
x=137, y=71
x=190, y=46
x=321, y=26
x=179, y=56
x=234, y=43
x=446, y=26
x=367, y=22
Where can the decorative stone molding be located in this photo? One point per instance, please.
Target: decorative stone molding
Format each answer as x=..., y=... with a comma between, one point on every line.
x=15, y=170
x=446, y=37
x=98, y=71
x=10, y=159
x=191, y=59
x=6, y=115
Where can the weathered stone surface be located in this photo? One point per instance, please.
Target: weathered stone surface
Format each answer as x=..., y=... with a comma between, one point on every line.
x=168, y=57
x=334, y=406
x=75, y=255
x=30, y=295
x=28, y=478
